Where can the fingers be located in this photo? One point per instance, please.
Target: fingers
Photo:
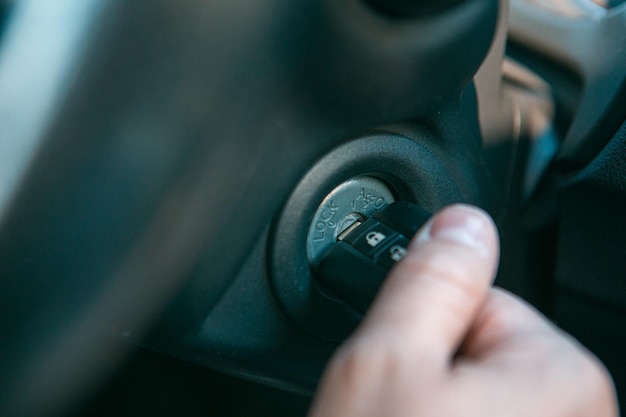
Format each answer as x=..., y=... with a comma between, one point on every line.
x=430, y=299
x=513, y=362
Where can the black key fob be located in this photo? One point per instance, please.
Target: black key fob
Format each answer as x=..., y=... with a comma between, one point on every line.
x=356, y=265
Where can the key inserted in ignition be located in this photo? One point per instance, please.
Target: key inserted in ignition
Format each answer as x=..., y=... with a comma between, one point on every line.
x=355, y=266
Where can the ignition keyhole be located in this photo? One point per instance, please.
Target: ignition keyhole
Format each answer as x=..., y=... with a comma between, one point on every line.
x=344, y=208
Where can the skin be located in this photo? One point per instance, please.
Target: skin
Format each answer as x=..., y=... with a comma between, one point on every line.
x=440, y=341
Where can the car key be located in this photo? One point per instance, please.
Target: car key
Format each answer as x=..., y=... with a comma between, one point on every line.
x=356, y=265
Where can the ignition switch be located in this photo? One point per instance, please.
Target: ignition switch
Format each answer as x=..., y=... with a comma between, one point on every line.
x=353, y=183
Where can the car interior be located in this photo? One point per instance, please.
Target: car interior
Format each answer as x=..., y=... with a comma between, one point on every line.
x=179, y=182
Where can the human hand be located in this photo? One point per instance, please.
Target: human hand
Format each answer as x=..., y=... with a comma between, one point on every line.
x=438, y=341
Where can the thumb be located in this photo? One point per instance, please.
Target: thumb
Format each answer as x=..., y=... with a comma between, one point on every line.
x=430, y=299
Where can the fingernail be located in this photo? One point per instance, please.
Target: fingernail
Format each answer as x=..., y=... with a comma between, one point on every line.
x=462, y=224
